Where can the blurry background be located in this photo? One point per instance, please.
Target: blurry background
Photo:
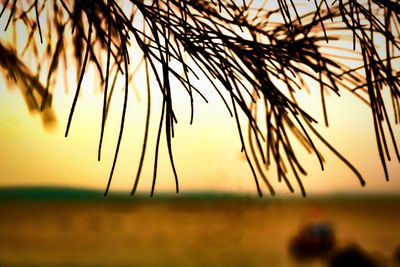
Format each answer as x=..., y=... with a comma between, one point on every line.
x=215, y=222
x=207, y=153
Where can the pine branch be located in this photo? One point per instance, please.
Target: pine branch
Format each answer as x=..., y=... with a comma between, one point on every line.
x=256, y=59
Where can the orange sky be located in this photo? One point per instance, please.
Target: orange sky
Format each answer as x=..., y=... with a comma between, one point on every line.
x=207, y=153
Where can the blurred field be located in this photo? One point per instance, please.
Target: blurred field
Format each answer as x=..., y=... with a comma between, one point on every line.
x=186, y=232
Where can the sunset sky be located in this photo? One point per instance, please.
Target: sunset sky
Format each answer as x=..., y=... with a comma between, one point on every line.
x=207, y=153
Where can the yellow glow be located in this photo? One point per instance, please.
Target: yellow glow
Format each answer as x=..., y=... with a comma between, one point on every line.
x=207, y=154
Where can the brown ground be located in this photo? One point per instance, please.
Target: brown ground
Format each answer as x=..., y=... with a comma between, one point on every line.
x=185, y=233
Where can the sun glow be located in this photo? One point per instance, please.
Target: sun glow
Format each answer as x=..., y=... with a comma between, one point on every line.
x=207, y=153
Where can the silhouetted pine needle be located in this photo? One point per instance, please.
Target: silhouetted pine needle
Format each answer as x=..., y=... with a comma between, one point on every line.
x=125, y=55
x=246, y=53
x=103, y=118
x=36, y=97
x=146, y=130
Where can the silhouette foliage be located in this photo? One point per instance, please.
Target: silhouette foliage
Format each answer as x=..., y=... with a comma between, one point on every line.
x=256, y=56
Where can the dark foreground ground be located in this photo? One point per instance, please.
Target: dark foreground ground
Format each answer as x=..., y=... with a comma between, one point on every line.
x=187, y=232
